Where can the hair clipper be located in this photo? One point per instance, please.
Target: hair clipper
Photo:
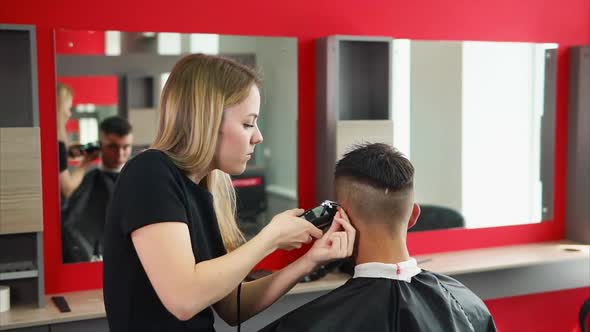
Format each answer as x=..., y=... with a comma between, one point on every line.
x=80, y=149
x=322, y=215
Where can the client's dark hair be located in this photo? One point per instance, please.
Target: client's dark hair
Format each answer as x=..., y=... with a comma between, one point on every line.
x=115, y=125
x=376, y=181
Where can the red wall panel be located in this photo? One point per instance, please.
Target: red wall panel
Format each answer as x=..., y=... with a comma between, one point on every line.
x=87, y=42
x=546, y=312
x=566, y=23
x=98, y=90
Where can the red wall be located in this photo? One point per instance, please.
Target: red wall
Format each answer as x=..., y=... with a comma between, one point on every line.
x=563, y=22
x=89, y=42
x=546, y=312
x=98, y=90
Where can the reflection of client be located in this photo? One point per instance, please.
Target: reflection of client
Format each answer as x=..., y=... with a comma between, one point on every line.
x=115, y=144
x=69, y=180
x=389, y=292
x=84, y=215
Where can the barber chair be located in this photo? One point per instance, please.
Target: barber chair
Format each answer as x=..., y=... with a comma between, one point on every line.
x=437, y=217
x=584, y=316
x=251, y=198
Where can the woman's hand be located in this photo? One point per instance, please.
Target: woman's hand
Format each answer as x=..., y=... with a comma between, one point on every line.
x=288, y=231
x=337, y=243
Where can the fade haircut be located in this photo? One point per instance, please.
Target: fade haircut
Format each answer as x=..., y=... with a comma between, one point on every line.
x=115, y=125
x=376, y=181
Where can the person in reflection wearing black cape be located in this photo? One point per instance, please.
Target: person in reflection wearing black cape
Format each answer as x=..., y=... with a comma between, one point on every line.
x=388, y=292
x=84, y=213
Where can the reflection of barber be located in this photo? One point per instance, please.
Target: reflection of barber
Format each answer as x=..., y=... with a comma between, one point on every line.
x=84, y=215
x=172, y=248
x=69, y=180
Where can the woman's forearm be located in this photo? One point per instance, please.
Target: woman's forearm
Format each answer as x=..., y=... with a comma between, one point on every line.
x=334, y=244
x=186, y=286
x=218, y=277
x=70, y=181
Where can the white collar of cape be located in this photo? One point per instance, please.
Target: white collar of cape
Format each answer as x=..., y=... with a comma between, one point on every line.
x=401, y=271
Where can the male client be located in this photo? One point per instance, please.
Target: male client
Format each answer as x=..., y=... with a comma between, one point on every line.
x=388, y=292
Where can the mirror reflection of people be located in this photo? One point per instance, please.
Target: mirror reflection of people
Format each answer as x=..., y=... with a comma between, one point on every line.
x=114, y=145
x=116, y=140
x=83, y=217
x=172, y=249
x=69, y=179
x=374, y=184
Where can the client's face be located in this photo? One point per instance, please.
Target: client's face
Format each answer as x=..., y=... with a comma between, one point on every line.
x=115, y=150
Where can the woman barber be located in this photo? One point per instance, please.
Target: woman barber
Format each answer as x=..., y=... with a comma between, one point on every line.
x=172, y=246
x=69, y=180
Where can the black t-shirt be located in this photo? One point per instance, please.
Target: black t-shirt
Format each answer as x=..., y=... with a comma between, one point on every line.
x=63, y=156
x=152, y=189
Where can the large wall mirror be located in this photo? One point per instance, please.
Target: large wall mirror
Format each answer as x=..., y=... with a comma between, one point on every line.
x=108, y=89
x=477, y=119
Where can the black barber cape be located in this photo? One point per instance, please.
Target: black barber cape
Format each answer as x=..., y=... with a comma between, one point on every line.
x=391, y=298
x=83, y=217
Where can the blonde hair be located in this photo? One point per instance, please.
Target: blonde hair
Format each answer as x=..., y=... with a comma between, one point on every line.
x=62, y=92
x=197, y=91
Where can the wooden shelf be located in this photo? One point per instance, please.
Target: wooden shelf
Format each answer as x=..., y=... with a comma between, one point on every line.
x=498, y=258
x=475, y=261
x=19, y=275
x=90, y=305
x=84, y=305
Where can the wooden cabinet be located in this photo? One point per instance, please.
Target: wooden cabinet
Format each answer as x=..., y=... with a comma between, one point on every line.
x=20, y=181
x=353, y=100
x=578, y=162
x=21, y=201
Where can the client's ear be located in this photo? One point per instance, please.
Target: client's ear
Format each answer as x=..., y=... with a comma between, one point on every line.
x=414, y=216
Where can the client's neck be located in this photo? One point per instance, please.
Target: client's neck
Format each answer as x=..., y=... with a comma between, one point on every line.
x=375, y=245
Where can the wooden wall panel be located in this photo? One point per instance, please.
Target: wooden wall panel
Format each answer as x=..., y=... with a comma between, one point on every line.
x=21, y=208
